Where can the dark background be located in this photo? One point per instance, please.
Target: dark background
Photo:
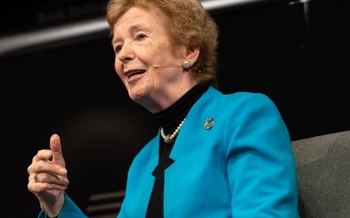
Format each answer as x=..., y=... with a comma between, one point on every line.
x=295, y=52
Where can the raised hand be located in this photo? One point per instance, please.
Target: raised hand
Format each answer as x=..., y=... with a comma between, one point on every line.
x=48, y=177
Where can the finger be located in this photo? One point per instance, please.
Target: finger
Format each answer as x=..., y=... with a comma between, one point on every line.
x=44, y=154
x=40, y=161
x=56, y=148
x=37, y=187
x=49, y=178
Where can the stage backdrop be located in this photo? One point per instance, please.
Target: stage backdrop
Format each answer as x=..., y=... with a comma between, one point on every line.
x=295, y=52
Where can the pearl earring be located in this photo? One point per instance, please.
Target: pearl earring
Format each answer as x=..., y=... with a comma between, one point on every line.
x=186, y=64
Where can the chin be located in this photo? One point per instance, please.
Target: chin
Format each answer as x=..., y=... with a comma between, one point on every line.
x=136, y=97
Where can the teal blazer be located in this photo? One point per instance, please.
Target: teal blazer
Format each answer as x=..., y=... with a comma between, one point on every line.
x=240, y=164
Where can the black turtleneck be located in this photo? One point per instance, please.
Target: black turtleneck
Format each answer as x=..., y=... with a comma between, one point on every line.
x=169, y=120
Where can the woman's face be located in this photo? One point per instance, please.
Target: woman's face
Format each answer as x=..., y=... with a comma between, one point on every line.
x=147, y=62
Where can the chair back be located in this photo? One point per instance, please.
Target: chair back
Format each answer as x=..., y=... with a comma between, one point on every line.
x=323, y=170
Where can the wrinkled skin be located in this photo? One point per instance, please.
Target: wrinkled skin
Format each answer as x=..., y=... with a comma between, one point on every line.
x=48, y=166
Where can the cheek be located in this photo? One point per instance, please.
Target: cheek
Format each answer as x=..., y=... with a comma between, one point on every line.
x=118, y=67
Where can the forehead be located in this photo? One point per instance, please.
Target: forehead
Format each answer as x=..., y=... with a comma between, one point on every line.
x=141, y=17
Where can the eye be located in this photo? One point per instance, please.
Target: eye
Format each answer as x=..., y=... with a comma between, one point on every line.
x=117, y=48
x=140, y=36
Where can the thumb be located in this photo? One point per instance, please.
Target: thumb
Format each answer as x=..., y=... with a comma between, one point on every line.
x=56, y=148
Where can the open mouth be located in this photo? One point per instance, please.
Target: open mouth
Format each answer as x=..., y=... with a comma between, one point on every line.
x=135, y=73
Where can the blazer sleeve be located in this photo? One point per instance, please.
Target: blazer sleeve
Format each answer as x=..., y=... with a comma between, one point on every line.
x=261, y=167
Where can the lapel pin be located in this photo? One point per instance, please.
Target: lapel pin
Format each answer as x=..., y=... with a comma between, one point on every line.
x=209, y=123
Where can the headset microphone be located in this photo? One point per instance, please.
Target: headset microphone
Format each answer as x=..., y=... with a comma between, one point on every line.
x=169, y=66
x=186, y=64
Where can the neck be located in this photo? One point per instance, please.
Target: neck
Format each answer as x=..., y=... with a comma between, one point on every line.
x=170, y=118
x=160, y=100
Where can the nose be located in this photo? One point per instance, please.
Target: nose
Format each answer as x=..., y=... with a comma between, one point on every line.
x=125, y=54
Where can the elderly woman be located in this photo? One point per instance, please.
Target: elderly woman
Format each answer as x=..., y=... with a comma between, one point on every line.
x=215, y=155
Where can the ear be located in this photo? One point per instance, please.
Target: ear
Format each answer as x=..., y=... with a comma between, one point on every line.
x=192, y=54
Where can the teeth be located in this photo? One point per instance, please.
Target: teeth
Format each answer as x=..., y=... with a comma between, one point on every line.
x=131, y=75
x=135, y=73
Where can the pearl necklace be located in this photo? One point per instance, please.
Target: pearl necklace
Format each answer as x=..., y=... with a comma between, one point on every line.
x=170, y=138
